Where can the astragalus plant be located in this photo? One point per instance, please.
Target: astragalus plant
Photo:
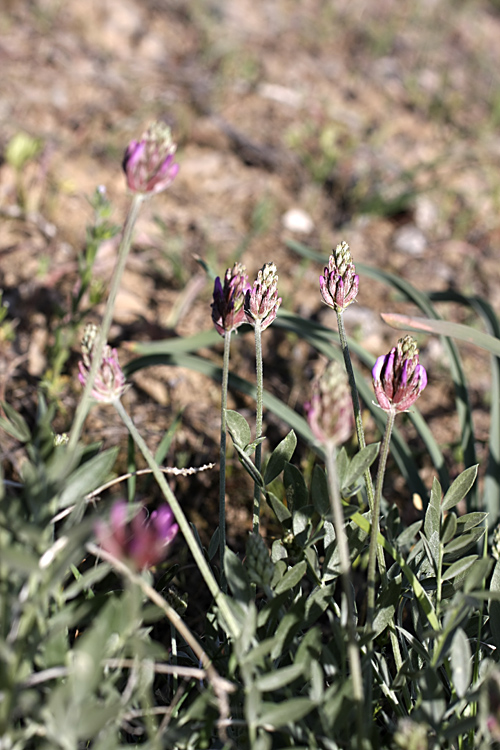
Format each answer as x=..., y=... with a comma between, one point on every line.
x=341, y=628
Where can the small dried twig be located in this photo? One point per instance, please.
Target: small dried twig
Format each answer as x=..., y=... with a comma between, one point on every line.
x=55, y=672
x=174, y=669
x=189, y=471
x=221, y=686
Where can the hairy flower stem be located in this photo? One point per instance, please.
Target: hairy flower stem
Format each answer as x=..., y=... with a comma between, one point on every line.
x=372, y=554
x=222, y=475
x=355, y=402
x=367, y=476
x=102, y=336
x=345, y=573
x=182, y=521
x=359, y=430
x=258, y=421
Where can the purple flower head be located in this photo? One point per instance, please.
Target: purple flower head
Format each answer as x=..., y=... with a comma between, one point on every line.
x=262, y=301
x=149, y=163
x=339, y=285
x=330, y=412
x=110, y=383
x=398, y=377
x=227, y=307
x=142, y=540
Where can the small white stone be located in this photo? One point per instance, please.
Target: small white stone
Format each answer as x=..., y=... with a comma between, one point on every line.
x=296, y=220
x=410, y=240
x=426, y=213
x=281, y=94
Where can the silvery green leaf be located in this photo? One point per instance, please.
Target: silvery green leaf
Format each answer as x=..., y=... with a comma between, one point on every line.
x=460, y=488
x=319, y=492
x=461, y=662
x=494, y=605
x=292, y=577
x=360, y=463
x=238, y=428
x=295, y=487
x=280, y=456
x=433, y=512
x=458, y=567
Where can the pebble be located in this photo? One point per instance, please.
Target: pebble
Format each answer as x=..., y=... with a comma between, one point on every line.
x=410, y=240
x=297, y=220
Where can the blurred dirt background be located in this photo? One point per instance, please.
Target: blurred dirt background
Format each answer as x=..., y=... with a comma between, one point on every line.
x=371, y=122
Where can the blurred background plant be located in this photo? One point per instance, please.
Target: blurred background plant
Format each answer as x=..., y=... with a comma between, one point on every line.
x=86, y=294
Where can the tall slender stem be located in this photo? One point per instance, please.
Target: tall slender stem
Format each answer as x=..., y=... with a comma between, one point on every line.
x=345, y=573
x=182, y=521
x=372, y=554
x=258, y=421
x=367, y=475
x=222, y=475
x=355, y=401
x=102, y=337
x=359, y=430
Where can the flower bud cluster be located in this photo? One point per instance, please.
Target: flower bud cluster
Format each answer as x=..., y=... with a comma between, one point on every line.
x=398, y=377
x=110, y=383
x=330, y=412
x=149, y=163
x=259, y=565
x=141, y=541
x=339, y=284
x=262, y=301
x=228, y=301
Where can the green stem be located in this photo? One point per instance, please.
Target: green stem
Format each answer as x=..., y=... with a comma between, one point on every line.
x=372, y=554
x=258, y=422
x=355, y=402
x=362, y=443
x=222, y=475
x=367, y=476
x=102, y=337
x=182, y=521
x=345, y=573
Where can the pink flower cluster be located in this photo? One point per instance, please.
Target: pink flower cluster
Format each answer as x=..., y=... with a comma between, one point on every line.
x=340, y=282
x=110, y=383
x=398, y=377
x=329, y=411
x=261, y=300
x=142, y=541
x=149, y=163
x=227, y=306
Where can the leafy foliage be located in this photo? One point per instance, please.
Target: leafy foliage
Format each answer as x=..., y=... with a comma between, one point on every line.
x=94, y=653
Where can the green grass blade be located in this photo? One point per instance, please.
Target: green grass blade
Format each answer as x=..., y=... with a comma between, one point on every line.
x=461, y=395
x=491, y=487
x=444, y=328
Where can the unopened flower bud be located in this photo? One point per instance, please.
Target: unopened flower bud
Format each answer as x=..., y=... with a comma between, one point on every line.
x=330, y=411
x=149, y=163
x=228, y=303
x=262, y=301
x=259, y=565
x=110, y=383
x=398, y=377
x=141, y=541
x=339, y=285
